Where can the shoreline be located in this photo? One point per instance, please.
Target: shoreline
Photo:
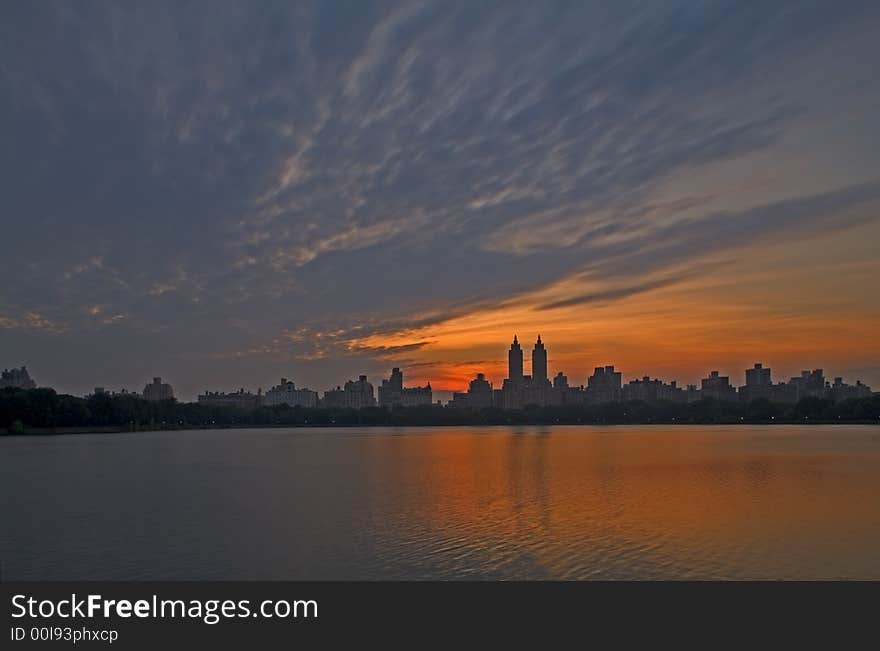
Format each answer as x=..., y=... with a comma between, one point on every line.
x=71, y=431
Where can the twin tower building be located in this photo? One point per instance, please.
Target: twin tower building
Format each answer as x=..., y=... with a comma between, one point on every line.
x=518, y=389
x=515, y=364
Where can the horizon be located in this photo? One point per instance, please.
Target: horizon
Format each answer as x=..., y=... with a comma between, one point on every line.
x=446, y=393
x=322, y=191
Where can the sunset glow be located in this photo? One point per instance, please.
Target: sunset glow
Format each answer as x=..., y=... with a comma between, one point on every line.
x=751, y=307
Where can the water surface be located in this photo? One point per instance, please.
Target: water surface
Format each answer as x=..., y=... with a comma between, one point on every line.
x=651, y=502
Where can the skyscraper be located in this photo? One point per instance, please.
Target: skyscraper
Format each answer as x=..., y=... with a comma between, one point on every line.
x=359, y=394
x=478, y=396
x=717, y=386
x=758, y=384
x=158, y=390
x=391, y=390
x=392, y=393
x=515, y=362
x=604, y=385
x=758, y=376
x=539, y=363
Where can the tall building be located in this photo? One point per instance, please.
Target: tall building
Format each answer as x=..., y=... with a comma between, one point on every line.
x=286, y=393
x=539, y=362
x=480, y=392
x=718, y=387
x=515, y=362
x=840, y=390
x=478, y=395
x=391, y=390
x=359, y=394
x=17, y=378
x=560, y=381
x=810, y=384
x=652, y=391
x=333, y=398
x=758, y=376
x=536, y=393
x=158, y=390
x=758, y=384
x=392, y=393
x=604, y=385
x=416, y=396
x=520, y=390
x=356, y=394
x=563, y=394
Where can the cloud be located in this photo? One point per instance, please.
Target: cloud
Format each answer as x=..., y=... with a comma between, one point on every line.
x=31, y=322
x=614, y=294
x=362, y=168
x=389, y=351
x=351, y=239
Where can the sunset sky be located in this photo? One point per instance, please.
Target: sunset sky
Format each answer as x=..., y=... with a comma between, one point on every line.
x=226, y=193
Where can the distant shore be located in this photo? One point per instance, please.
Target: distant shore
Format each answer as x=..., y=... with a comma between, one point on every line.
x=42, y=411
x=62, y=431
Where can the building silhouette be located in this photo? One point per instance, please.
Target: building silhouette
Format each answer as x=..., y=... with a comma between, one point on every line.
x=104, y=391
x=517, y=391
x=355, y=394
x=539, y=363
x=809, y=384
x=560, y=381
x=392, y=393
x=240, y=399
x=391, y=390
x=479, y=394
x=652, y=391
x=718, y=387
x=286, y=393
x=520, y=390
x=16, y=378
x=604, y=385
x=758, y=376
x=158, y=390
x=515, y=362
x=562, y=393
x=842, y=391
x=759, y=384
x=511, y=388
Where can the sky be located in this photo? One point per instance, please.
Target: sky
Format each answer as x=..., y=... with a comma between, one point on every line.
x=227, y=193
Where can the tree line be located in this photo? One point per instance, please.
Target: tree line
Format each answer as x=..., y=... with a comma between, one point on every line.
x=42, y=409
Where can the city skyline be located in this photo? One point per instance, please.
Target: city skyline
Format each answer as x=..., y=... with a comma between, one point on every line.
x=517, y=389
x=320, y=191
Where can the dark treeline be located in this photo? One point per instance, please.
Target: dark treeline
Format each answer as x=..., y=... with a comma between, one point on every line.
x=41, y=409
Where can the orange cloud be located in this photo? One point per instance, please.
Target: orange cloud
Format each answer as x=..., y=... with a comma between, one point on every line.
x=793, y=308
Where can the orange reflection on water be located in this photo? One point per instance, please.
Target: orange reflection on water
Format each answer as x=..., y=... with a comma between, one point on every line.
x=634, y=502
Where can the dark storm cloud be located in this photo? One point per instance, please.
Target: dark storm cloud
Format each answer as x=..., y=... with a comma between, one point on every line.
x=208, y=176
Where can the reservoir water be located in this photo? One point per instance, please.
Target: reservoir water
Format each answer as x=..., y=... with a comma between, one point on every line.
x=647, y=502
